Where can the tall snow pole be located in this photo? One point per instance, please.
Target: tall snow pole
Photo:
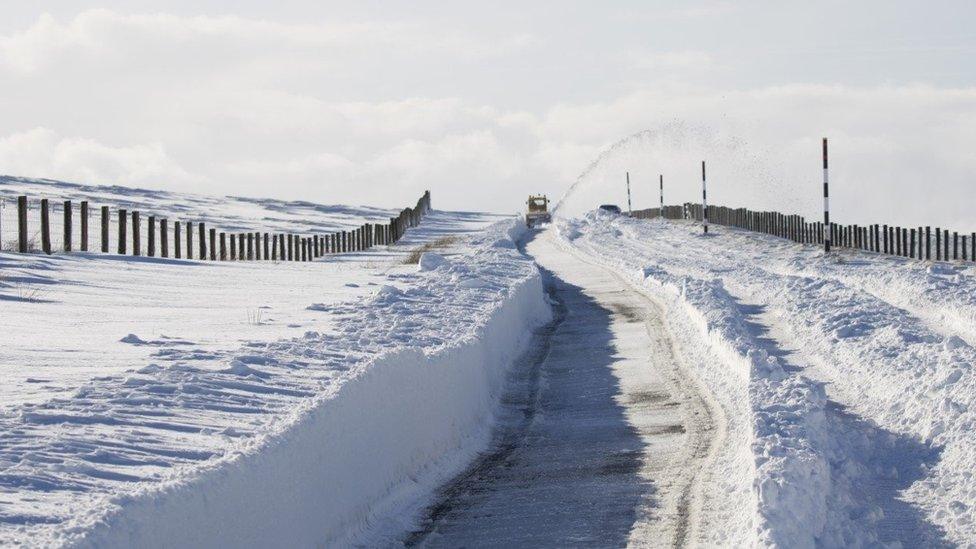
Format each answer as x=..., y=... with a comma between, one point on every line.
x=826, y=201
x=628, y=194
x=661, y=211
x=704, y=200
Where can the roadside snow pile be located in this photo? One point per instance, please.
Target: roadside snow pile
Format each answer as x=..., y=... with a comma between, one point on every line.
x=301, y=441
x=777, y=419
x=887, y=453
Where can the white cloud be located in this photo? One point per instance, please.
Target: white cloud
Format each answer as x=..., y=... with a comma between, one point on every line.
x=686, y=61
x=108, y=37
x=374, y=111
x=43, y=151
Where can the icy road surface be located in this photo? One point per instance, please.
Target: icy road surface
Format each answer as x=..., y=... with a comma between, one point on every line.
x=601, y=441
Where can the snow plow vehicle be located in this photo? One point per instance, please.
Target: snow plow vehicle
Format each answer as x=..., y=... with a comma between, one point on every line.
x=538, y=211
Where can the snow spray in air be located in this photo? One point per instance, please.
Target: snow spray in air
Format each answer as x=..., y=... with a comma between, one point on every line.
x=677, y=147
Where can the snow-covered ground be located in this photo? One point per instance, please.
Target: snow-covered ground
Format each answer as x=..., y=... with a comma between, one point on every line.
x=847, y=381
x=230, y=214
x=150, y=401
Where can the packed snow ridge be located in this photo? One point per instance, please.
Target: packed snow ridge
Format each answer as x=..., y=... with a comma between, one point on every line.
x=296, y=441
x=847, y=380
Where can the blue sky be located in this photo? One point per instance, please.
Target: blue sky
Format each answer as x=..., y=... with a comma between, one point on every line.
x=369, y=101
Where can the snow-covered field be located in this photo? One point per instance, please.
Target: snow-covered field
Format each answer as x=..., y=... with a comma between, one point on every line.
x=150, y=401
x=230, y=214
x=847, y=381
x=183, y=403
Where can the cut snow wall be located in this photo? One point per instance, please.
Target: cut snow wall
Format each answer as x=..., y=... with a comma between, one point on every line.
x=410, y=417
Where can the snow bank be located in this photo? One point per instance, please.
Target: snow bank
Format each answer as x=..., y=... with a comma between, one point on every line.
x=774, y=481
x=298, y=442
x=888, y=457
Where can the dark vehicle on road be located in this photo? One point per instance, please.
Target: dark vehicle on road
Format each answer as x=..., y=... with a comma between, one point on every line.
x=612, y=208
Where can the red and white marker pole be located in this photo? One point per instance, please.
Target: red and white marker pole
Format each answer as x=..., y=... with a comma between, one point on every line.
x=704, y=200
x=826, y=200
x=661, y=211
x=629, y=212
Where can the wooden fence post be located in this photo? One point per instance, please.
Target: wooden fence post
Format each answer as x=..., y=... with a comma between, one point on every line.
x=164, y=237
x=213, y=244
x=123, y=217
x=22, y=246
x=106, y=219
x=45, y=227
x=67, y=226
x=233, y=248
x=258, y=247
x=177, y=241
x=928, y=242
x=151, y=242
x=84, y=225
x=189, y=239
x=136, y=248
x=240, y=247
x=202, y=237
x=266, y=255
x=223, y=246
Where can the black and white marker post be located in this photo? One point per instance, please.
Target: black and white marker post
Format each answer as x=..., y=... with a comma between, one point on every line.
x=661, y=211
x=826, y=201
x=628, y=194
x=704, y=200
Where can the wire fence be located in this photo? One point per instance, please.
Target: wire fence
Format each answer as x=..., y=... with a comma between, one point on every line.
x=924, y=242
x=50, y=226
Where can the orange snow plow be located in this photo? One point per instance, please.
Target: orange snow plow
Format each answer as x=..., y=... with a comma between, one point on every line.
x=538, y=210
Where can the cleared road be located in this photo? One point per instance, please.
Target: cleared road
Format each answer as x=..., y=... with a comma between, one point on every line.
x=601, y=443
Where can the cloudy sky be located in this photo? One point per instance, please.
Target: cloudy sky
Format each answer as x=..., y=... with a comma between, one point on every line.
x=371, y=102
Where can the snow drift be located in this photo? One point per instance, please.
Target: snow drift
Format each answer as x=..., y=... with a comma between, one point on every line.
x=298, y=442
x=885, y=454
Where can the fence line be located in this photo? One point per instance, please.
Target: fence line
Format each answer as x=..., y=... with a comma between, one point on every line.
x=207, y=241
x=909, y=242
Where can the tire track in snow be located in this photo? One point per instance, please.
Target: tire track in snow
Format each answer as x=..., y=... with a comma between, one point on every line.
x=709, y=435
x=611, y=452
